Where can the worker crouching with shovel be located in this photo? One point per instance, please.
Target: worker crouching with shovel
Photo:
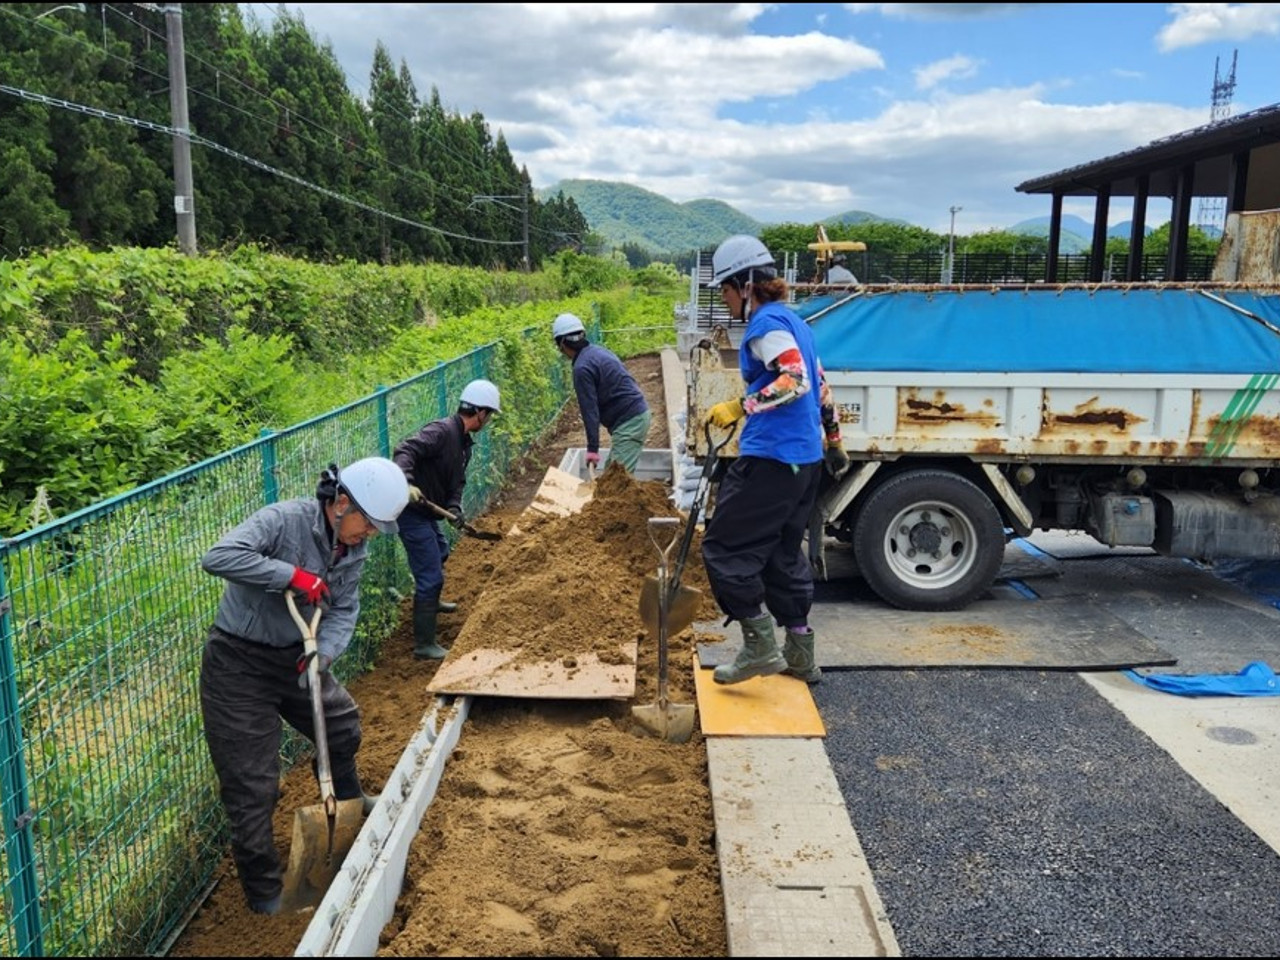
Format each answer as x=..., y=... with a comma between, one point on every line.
x=255, y=671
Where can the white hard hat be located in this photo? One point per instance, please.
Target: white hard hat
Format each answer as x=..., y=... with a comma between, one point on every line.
x=738, y=253
x=481, y=393
x=378, y=488
x=566, y=324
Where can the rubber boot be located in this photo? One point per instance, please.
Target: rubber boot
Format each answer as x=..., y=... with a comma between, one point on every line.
x=270, y=906
x=347, y=787
x=798, y=651
x=759, y=656
x=446, y=607
x=424, y=631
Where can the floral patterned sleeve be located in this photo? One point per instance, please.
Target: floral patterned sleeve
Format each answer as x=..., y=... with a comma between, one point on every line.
x=790, y=385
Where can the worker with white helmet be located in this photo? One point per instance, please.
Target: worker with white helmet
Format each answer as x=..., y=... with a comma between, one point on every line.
x=608, y=395
x=838, y=272
x=254, y=672
x=434, y=460
x=753, y=545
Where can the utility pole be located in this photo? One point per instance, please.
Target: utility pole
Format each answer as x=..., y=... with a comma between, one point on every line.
x=183, y=188
x=951, y=245
x=524, y=193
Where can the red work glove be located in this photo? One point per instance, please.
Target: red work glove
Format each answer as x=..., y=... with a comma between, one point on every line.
x=311, y=586
x=593, y=459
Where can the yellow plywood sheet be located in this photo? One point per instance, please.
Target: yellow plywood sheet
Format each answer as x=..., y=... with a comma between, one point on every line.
x=491, y=672
x=777, y=706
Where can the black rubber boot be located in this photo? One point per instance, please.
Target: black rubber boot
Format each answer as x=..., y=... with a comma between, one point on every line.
x=759, y=656
x=798, y=651
x=446, y=607
x=425, y=647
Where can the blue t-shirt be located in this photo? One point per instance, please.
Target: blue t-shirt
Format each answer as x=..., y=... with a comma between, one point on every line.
x=790, y=433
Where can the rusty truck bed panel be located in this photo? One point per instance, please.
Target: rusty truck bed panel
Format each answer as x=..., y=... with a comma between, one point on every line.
x=1077, y=374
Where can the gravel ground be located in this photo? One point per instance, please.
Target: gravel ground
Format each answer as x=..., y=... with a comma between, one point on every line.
x=1016, y=813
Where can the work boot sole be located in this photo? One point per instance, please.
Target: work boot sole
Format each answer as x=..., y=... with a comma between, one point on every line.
x=430, y=653
x=808, y=676
x=736, y=674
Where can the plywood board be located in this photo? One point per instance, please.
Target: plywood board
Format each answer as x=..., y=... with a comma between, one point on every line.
x=559, y=494
x=491, y=672
x=777, y=706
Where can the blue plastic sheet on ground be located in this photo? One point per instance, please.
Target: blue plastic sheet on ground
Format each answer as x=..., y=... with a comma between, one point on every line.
x=1255, y=680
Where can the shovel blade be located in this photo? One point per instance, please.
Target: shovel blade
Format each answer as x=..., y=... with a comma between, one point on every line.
x=681, y=609
x=313, y=863
x=672, y=722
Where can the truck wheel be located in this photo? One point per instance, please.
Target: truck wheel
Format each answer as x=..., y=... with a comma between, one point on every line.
x=929, y=540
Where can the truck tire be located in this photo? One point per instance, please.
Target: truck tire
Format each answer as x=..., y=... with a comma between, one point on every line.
x=929, y=540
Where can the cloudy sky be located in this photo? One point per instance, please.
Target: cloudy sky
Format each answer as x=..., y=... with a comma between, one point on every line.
x=801, y=111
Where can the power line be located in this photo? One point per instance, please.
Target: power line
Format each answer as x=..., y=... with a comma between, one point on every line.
x=212, y=145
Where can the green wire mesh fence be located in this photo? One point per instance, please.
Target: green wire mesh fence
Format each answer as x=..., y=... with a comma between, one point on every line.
x=112, y=825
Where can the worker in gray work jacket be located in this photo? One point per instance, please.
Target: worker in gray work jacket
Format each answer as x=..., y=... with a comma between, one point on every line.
x=608, y=395
x=254, y=672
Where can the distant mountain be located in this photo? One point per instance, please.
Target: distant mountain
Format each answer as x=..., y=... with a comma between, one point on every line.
x=622, y=213
x=851, y=218
x=625, y=214
x=1077, y=233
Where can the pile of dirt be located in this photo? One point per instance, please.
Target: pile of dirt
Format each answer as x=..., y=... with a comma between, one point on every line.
x=564, y=586
x=559, y=828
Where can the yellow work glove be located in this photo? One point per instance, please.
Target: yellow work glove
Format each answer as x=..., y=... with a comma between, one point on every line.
x=726, y=413
x=415, y=495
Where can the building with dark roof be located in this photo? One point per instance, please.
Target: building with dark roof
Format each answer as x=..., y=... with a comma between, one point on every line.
x=1237, y=158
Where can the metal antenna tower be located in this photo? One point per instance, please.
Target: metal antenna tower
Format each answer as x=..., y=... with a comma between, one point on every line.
x=1211, y=213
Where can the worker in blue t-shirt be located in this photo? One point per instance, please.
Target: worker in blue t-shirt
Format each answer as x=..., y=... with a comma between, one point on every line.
x=753, y=545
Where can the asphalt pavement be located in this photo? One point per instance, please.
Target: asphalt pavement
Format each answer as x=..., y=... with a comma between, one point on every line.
x=1025, y=812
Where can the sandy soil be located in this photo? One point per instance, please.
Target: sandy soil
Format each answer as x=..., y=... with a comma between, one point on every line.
x=560, y=827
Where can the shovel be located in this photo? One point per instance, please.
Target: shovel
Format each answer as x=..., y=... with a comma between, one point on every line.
x=682, y=602
x=588, y=486
x=322, y=834
x=466, y=527
x=670, y=721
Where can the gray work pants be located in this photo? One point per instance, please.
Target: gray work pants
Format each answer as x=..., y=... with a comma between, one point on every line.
x=246, y=689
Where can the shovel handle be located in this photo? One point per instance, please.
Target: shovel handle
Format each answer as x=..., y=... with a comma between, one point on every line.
x=699, y=497
x=324, y=773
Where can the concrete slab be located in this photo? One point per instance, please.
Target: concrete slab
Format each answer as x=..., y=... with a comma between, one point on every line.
x=796, y=883
x=1231, y=745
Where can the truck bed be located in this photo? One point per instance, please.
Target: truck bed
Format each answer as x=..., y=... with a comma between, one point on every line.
x=1169, y=374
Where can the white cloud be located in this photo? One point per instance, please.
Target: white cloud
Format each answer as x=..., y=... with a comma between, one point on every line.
x=951, y=68
x=693, y=101
x=1196, y=23
x=938, y=11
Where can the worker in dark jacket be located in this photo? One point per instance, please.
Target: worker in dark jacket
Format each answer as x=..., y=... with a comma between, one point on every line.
x=608, y=395
x=435, y=462
x=254, y=671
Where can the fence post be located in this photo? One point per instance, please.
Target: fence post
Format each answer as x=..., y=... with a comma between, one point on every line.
x=270, y=482
x=384, y=428
x=23, y=890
